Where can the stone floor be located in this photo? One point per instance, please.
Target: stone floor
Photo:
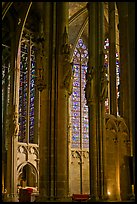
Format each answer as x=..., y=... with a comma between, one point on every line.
x=66, y=200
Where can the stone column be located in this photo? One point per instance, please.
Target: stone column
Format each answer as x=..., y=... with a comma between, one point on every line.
x=131, y=73
x=112, y=58
x=124, y=61
x=102, y=94
x=90, y=92
x=43, y=67
x=63, y=78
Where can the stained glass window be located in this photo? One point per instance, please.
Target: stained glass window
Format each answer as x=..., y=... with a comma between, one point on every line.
x=79, y=109
x=25, y=106
x=106, y=64
x=106, y=48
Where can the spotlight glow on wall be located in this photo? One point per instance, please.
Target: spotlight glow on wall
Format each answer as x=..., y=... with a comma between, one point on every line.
x=108, y=193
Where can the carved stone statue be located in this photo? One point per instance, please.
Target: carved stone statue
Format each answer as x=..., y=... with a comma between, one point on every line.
x=89, y=84
x=68, y=80
x=66, y=46
x=15, y=124
x=104, y=84
x=40, y=61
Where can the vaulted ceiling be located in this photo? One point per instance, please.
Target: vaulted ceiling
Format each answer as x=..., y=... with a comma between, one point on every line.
x=78, y=19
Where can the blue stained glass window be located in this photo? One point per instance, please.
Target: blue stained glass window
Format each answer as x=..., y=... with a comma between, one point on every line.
x=23, y=94
x=79, y=110
x=106, y=63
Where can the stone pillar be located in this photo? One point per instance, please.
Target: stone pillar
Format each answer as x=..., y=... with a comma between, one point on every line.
x=101, y=94
x=112, y=58
x=43, y=67
x=131, y=74
x=55, y=83
x=124, y=61
x=90, y=93
x=63, y=88
x=13, y=124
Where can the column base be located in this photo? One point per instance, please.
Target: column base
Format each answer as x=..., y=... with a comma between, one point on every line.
x=10, y=198
x=93, y=198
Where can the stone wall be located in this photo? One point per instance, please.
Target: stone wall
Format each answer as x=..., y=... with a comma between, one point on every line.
x=79, y=171
x=118, y=154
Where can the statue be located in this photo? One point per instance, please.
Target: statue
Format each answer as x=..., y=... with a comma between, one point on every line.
x=89, y=83
x=40, y=62
x=15, y=124
x=66, y=46
x=68, y=79
x=104, y=84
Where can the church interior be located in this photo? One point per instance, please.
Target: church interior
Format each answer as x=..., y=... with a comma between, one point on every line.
x=68, y=101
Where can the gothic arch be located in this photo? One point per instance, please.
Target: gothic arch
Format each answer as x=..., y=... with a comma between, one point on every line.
x=34, y=171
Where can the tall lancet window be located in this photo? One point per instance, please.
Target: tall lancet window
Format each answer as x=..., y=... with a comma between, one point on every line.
x=79, y=109
x=106, y=48
x=27, y=93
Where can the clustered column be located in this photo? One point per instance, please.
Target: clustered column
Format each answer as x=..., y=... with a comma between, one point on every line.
x=57, y=79
x=90, y=92
x=64, y=75
x=124, y=62
x=13, y=124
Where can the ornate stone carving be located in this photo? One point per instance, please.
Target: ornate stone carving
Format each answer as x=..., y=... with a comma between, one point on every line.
x=80, y=154
x=115, y=139
x=122, y=127
x=89, y=89
x=111, y=123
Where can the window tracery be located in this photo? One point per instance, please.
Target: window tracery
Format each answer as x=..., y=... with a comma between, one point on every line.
x=79, y=109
